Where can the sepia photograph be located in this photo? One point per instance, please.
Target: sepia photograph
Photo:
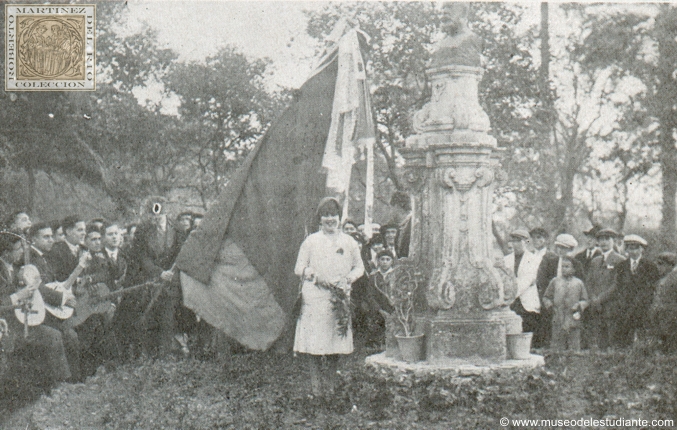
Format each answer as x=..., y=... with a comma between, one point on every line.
x=258, y=214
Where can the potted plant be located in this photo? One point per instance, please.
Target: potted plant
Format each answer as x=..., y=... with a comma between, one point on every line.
x=405, y=281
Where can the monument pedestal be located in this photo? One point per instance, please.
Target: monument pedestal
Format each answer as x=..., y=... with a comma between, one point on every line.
x=477, y=340
x=449, y=171
x=456, y=367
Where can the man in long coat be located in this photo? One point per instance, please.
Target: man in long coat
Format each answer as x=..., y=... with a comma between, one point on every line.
x=631, y=298
x=146, y=317
x=600, y=283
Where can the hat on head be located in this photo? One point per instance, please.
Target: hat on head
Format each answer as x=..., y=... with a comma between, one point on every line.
x=519, y=234
x=606, y=232
x=566, y=240
x=385, y=253
x=593, y=231
x=635, y=238
x=539, y=231
x=669, y=258
x=389, y=226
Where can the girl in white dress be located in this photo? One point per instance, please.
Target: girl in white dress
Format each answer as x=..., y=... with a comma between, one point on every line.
x=328, y=262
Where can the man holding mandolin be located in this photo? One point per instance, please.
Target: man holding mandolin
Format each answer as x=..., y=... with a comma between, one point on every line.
x=20, y=292
x=67, y=260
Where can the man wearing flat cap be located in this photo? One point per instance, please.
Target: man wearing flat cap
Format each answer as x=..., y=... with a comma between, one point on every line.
x=631, y=298
x=524, y=265
x=663, y=312
x=600, y=283
x=591, y=250
x=551, y=267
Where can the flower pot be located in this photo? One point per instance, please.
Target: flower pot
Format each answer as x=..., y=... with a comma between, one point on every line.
x=411, y=347
x=519, y=346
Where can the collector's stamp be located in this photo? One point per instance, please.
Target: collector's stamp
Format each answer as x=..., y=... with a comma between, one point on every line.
x=50, y=47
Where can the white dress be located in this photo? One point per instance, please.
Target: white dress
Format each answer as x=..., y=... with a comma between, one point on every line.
x=332, y=257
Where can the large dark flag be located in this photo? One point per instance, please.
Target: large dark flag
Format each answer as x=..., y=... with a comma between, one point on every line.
x=237, y=267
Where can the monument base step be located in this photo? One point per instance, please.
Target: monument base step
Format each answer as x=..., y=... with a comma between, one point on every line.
x=460, y=367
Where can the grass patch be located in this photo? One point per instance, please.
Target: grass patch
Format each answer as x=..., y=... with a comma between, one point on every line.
x=264, y=390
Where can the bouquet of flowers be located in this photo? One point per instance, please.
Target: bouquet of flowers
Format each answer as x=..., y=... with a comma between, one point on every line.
x=340, y=306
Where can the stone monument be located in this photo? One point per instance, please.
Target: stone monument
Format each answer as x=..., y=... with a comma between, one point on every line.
x=449, y=169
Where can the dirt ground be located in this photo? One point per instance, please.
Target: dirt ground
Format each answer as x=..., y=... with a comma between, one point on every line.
x=266, y=390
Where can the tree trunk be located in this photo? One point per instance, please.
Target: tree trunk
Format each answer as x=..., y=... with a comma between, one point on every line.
x=544, y=72
x=665, y=96
x=31, y=190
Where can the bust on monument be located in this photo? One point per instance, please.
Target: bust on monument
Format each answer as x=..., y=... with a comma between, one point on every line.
x=454, y=70
x=460, y=46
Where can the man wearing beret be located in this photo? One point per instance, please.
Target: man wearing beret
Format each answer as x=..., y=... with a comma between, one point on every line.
x=631, y=298
x=551, y=267
x=524, y=264
x=600, y=282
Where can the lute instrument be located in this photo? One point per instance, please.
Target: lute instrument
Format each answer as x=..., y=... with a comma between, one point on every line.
x=96, y=300
x=30, y=312
x=64, y=312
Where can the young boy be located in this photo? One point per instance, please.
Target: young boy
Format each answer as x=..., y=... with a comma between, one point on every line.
x=378, y=297
x=568, y=296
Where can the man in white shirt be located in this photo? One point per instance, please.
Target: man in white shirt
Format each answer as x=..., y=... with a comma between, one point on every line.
x=524, y=265
x=539, y=240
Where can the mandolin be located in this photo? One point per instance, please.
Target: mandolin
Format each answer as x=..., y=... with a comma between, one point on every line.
x=96, y=300
x=31, y=312
x=64, y=312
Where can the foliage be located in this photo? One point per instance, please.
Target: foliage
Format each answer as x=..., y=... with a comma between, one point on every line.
x=639, y=46
x=340, y=306
x=403, y=34
x=88, y=137
x=403, y=284
x=224, y=110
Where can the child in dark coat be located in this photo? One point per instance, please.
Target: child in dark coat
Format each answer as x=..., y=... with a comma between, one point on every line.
x=379, y=297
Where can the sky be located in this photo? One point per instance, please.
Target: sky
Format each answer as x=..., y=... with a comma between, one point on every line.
x=198, y=29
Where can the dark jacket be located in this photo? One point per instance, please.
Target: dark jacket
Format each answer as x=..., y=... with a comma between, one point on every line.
x=62, y=261
x=40, y=261
x=633, y=293
x=601, y=279
x=379, y=289
x=152, y=253
x=584, y=261
x=116, y=269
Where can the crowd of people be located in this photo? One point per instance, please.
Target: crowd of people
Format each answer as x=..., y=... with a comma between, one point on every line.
x=606, y=297
x=77, y=294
